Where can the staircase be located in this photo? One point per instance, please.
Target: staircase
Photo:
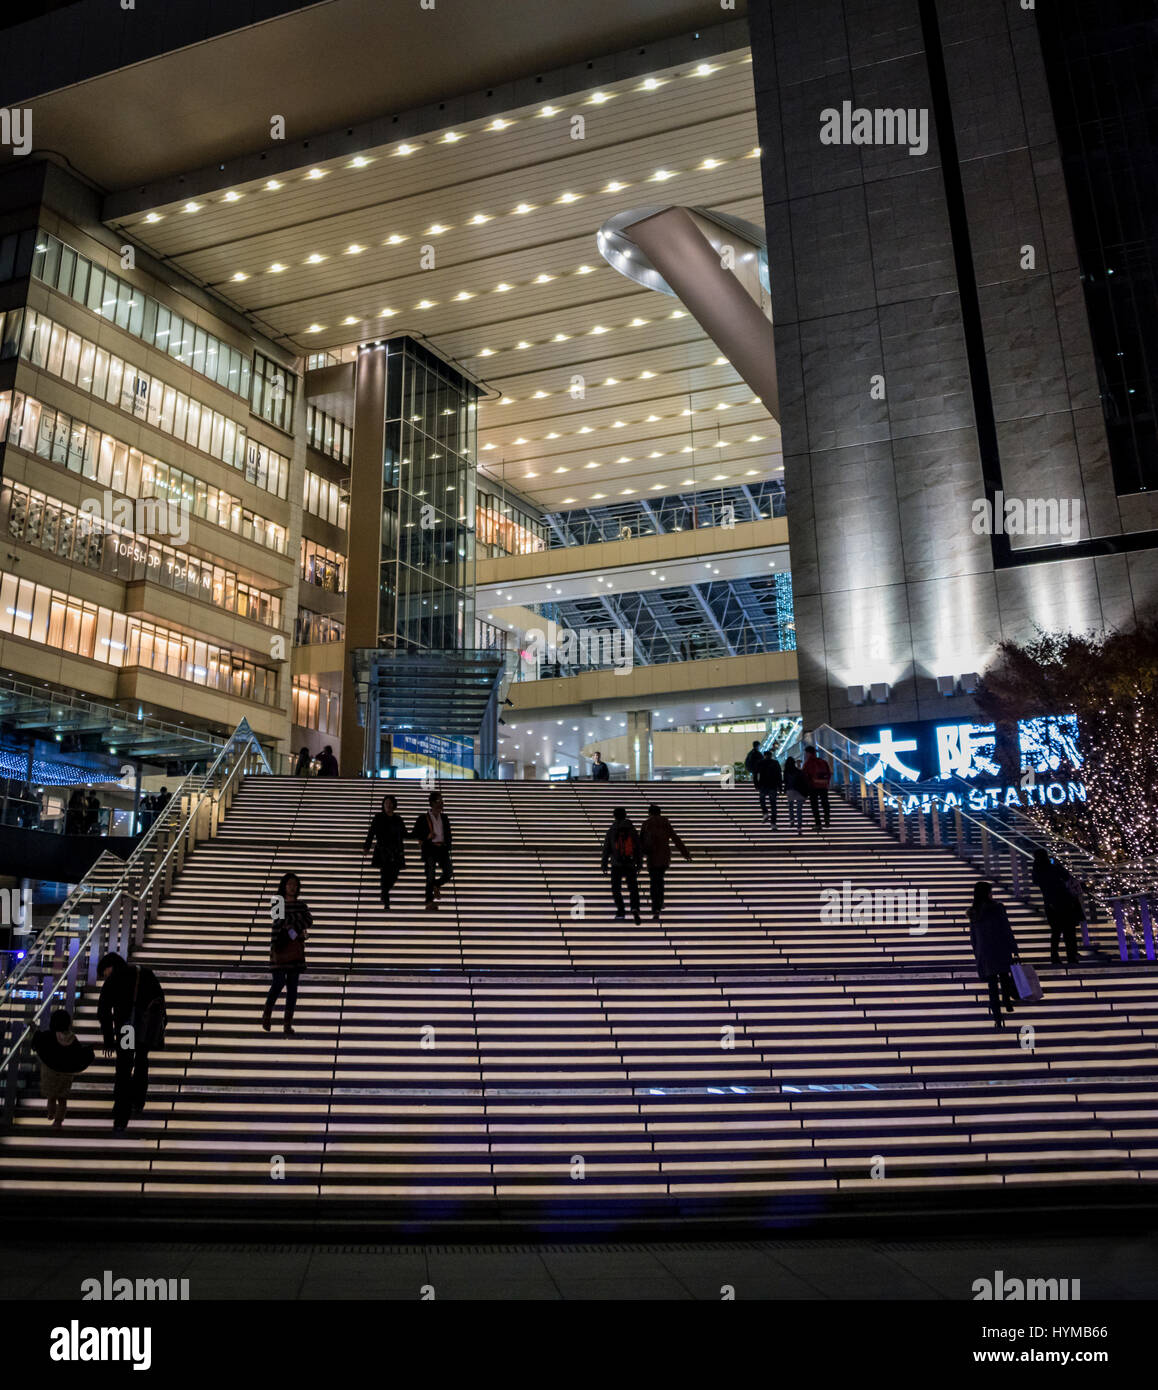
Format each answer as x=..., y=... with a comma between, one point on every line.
x=519, y=1053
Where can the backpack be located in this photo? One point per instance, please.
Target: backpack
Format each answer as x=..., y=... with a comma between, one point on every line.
x=821, y=774
x=624, y=847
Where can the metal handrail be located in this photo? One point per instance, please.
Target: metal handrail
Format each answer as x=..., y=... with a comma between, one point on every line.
x=899, y=789
x=143, y=847
x=84, y=889
x=80, y=703
x=1094, y=874
x=244, y=743
x=1103, y=886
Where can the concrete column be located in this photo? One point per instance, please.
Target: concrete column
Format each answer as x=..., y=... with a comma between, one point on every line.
x=363, y=539
x=639, y=755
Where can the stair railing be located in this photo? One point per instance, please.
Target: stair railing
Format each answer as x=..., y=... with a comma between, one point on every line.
x=1004, y=854
x=97, y=919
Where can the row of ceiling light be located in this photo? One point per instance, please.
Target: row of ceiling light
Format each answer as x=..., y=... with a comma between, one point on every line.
x=438, y=229
x=655, y=487
x=405, y=148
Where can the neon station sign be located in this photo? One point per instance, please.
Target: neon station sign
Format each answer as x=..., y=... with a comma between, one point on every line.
x=966, y=752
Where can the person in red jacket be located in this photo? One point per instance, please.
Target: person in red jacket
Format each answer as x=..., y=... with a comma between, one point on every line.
x=818, y=774
x=656, y=837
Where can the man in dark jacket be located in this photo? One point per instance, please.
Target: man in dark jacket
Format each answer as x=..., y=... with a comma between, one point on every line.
x=1063, y=907
x=432, y=831
x=622, y=850
x=752, y=763
x=994, y=948
x=600, y=772
x=327, y=763
x=817, y=774
x=657, y=835
x=769, y=779
x=131, y=1009
x=389, y=830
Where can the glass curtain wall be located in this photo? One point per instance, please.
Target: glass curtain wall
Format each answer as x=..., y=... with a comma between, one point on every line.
x=426, y=599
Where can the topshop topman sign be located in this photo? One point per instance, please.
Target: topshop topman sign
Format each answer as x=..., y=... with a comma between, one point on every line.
x=956, y=753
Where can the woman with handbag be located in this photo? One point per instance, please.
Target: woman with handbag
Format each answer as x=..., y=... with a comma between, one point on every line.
x=994, y=949
x=287, y=955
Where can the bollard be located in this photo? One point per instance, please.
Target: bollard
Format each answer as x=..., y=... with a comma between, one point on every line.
x=1120, y=920
x=73, y=969
x=1147, y=926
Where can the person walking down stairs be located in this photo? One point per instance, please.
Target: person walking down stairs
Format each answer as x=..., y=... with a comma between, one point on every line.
x=656, y=836
x=62, y=1055
x=287, y=952
x=621, y=849
x=432, y=831
x=389, y=830
x=131, y=1009
x=994, y=949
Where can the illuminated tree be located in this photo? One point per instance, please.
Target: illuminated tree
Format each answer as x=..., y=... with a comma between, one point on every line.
x=1110, y=682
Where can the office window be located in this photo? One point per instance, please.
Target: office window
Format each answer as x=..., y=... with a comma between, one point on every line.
x=274, y=391
x=126, y=305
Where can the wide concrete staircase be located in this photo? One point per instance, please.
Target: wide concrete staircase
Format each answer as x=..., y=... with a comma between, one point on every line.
x=521, y=1054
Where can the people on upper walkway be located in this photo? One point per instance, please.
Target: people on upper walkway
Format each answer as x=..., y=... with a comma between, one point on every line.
x=1063, y=906
x=287, y=951
x=76, y=814
x=302, y=766
x=62, y=1055
x=817, y=775
x=656, y=837
x=327, y=763
x=795, y=790
x=387, y=834
x=131, y=1010
x=994, y=949
x=600, y=772
x=622, y=852
x=769, y=779
x=432, y=831
x=92, y=815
